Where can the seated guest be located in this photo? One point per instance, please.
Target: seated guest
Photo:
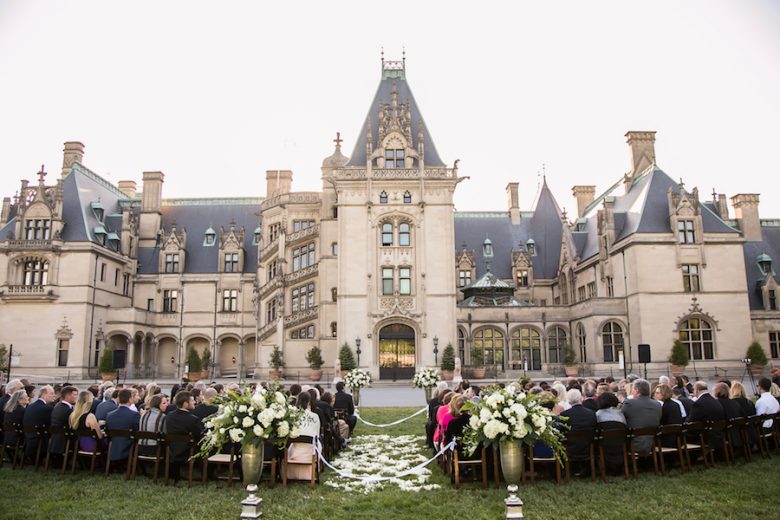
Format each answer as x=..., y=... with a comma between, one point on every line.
x=104, y=392
x=456, y=403
x=153, y=420
x=316, y=407
x=578, y=418
x=180, y=421
x=343, y=401
x=608, y=411
x=151, y=390
x=706, y=408
x=338, y=428
x=642, y=412
x=731, y=410
x=59, y=418
x=766, y=404
x=681, y=397
x=671, y=412
x=13, y=413
x=207, y=406
x=134, y=399
x=302, y=452
x=560, y=394
x=82, y=419
x=589, y=393
x=13, y=386
x=295, y=390
x=540, y=449
x=739, y=395
x=433, y=406
x=123, y=418
x=108, y=405
x=37, y=415
x=443, y=410
x=30, y=389
x=459, y=422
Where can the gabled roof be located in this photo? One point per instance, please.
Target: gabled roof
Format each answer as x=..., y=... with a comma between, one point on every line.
x=547, y=232
x=770, y=245
x=383, y=96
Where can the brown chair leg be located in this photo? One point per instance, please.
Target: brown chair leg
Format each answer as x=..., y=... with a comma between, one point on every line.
x=205, y=471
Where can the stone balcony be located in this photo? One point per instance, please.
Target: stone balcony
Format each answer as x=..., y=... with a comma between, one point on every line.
x=301, y=317
x=29, y=292
x=393, y=173
x=266, y=330
x=303, y=234
x=302, y=274
x=269, y=287
x=270, y=249
x=29, y=245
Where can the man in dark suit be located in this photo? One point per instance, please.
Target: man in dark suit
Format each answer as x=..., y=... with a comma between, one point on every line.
x=706, y=408
x=642, y=412
x=108, y=405
x=343, y=401
x=679, y=395
x=181, y=422
x=579, y=419
x=37, y=414
x=59, y=418
x=589, y=391
x=124, y=419
x=207, y=407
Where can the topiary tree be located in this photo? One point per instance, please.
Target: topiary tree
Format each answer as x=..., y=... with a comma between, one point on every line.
x=314, y=358
x=569, y=356
x=205, y=359
x=106, y=361
x=477, y=356
x=756, y=354
x=346, y=358
x=193, y=360
x=679, y=354
x=276, y=360
x=448, y=358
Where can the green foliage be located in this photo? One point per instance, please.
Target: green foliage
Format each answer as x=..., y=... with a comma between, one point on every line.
x=679, y=355
x=569, y=356
x=193, y=360
x=106, y=360
x=276, y=360
x=477, y=356
x=346, y=358
x=756, y=354
x=205, y=359
x=448, y=358
x=3, y=357
x=314, y=358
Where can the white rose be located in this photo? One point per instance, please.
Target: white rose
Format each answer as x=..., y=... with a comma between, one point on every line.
x=474, y=422
x=266, y=417
x=235, y=420
x=248, y=421
x=284, y=429
x=236, y=435
x=280, y=398
x=485, y=415
x=242, y=408
x=258, y=400
x=222, y=431
x=258, y=430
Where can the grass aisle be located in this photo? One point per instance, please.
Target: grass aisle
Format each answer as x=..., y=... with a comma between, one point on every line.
x=738, y=492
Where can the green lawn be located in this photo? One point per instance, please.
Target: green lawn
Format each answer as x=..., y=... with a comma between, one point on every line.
x=739, y=492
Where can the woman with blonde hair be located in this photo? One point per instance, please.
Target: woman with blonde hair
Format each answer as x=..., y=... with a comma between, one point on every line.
x=561, y=404
x=739, y=394
x=82, y=418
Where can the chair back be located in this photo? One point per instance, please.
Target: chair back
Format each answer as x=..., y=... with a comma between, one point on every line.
x=301, y=439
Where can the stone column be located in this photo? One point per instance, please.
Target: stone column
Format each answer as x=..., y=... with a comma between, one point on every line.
x=215, y=358
x=142, y=371
x=130, y=360
x=241, y=362
x=154, y=358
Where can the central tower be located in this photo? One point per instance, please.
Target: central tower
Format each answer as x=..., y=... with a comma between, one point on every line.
x=392, y=202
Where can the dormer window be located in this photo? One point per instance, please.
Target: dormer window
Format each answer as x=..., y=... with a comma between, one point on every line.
x=210, y=237
x=407, y=197
x=98, y=210
x=383, y=197
x=686, y=233
x=37, y=229
x=531, y=247
x=256, y=236
x=394, y=158
x=765, y=264
x=113, y=241
x=100, y=235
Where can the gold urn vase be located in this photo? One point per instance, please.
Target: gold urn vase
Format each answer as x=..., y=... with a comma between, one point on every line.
x=428, y=390
x=252, y=463
x=356, y=396
x=511, y=453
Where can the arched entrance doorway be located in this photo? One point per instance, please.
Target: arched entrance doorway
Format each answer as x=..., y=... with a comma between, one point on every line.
x=396, y=352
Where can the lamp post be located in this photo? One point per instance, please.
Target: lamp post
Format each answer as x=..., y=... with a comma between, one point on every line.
x=436, y=349
x=357, y=350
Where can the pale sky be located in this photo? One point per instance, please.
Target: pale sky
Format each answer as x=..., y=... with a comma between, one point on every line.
x=215, y=93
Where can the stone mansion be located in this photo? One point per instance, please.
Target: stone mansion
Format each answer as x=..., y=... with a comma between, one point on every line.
x=379, y=259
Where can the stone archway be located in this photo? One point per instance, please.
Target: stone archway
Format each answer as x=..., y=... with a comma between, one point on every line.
x=397, y=351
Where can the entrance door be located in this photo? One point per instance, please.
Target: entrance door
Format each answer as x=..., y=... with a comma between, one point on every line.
x=396, y=352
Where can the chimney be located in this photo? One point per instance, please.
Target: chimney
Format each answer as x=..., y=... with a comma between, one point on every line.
x=152, y=194
x=6, y=211
x=642, y=146
x=723, y=206
x=277, y=182
x=128, y=188
x=513, y=202
x=584, y=196
x=73, y=152
x=746, y=211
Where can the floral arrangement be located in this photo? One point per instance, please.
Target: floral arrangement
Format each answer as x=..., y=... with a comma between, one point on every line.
x=357, y=378
x=426, y=378
x=511, y=415
x=264, y=415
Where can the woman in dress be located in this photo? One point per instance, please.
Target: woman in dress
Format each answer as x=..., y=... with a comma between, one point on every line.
x=82, y=418
x=14, y=414
x=153, y=420
x=299, y=452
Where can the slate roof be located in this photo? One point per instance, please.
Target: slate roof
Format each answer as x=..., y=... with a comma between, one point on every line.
x=382, y=96
x=770, y=245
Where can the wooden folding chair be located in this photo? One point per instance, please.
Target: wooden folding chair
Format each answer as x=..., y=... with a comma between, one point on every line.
x=57, y=431
x=221, y=459
x=612, y=439
x=170, y=438
x=271, y=459
x=41, y=435
x=114, y=435
x=721, y=427
x=532, y=460
x=674, y=433
x=772, y=433
x=16, y=430
x=458, y=462
x=695, y=440
x=94, y=455
x=587, y=437
x=740, y=430
x=159, y=452
x=303, y=439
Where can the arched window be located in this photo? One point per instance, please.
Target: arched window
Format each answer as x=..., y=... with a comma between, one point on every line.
x=383, y=197
x=527, y=348
x=404, y=235
x=555, y=341
x=582, y=342
x=612, y=338
x=697, y=336
x=491, y=341
x=407, y=197
x=387, y=234
x=461, y=345
x=36, y=272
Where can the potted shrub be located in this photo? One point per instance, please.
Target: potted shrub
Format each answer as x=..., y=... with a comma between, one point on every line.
x=205, y=362
x=755, y=353
x=569, y=360
x=477, y=362
x=194, y=366
x=106, y=365
x=448, y=362
x=347, y=359
x=678, y=358
x=314, y=359
x=277, y=362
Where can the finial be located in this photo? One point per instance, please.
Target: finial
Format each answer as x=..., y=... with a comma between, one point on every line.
x=338, y=140
x=403, y=55
x=714, y=195
x=383, y=56
x=682, y=184
x=41, y=175
x=564, y=216
x=232, y=223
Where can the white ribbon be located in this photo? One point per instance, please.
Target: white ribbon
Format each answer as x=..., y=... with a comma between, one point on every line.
x=399, y=421
x=378, y=478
